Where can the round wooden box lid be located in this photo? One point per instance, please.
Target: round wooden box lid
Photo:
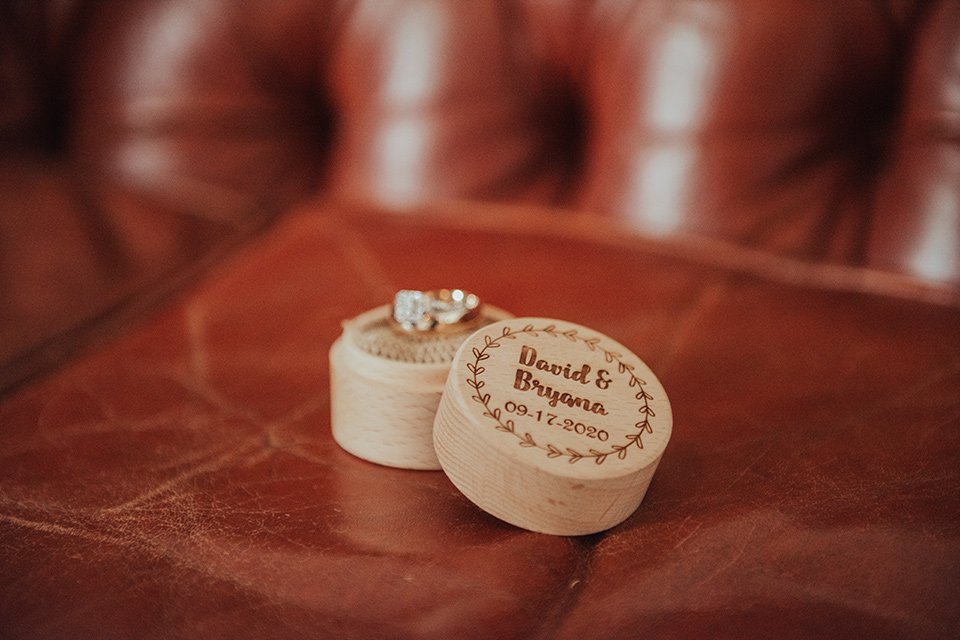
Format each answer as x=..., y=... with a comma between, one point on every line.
x=551, y=426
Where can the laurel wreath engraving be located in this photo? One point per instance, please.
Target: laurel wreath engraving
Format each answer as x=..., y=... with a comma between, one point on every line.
x=552, y=451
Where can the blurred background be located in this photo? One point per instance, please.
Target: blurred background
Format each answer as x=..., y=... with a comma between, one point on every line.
x=138, y=136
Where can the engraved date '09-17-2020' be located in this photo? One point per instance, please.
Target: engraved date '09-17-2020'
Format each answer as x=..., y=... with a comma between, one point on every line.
x=521, y=410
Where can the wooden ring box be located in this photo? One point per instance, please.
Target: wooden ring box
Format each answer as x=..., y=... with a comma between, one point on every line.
x=545, y=424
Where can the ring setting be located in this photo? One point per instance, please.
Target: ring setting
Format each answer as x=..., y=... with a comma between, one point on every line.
x=439, y=310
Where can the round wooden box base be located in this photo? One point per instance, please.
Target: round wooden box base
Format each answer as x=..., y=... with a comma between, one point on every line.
x=385, y=388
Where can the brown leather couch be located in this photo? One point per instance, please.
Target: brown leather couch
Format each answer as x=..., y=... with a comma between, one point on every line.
x=761, y=198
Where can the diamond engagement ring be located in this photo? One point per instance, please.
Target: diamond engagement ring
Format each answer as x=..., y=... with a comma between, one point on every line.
x=437, y=310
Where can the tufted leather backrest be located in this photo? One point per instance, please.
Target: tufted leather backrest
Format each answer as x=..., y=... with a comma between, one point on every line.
x=816, y=129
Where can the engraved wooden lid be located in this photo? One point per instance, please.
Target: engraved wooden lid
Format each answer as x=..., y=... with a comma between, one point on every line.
x=551, y=426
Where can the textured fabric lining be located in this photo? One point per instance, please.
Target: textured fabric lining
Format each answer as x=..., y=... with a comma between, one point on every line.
x=379, y=339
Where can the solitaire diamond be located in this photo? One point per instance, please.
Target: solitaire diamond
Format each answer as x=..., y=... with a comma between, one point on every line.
x=409, y=308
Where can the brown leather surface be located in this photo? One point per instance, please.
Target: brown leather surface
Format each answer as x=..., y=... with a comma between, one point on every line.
x=182, y=481
x=760, y=197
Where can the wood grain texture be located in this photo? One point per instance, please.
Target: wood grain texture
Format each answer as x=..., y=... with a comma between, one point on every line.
x=551, y=426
